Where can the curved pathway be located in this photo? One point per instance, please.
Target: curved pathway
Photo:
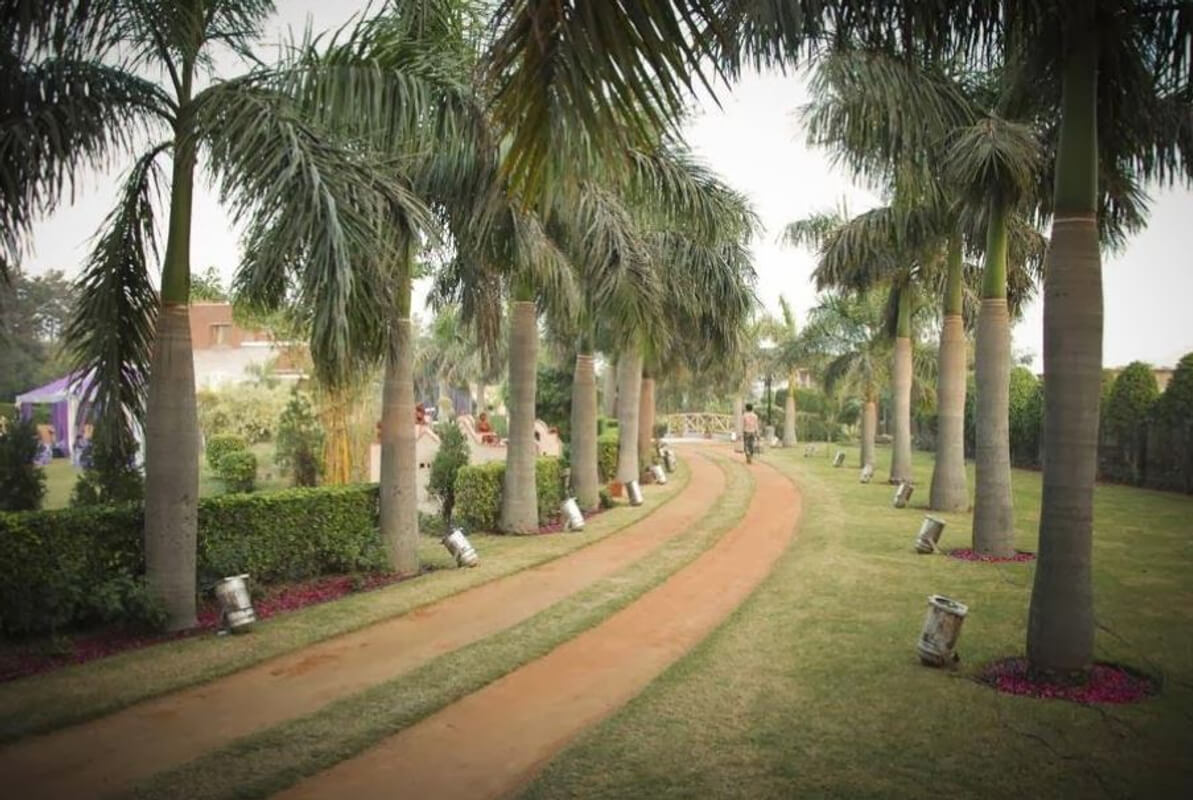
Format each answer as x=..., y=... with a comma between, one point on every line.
x=490, y=743
x=110, y=754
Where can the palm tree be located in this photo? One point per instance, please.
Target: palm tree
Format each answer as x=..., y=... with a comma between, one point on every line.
x=788, y=335
x=849, y=334
x=74, y=99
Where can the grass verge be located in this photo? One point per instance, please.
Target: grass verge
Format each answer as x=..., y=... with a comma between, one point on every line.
x=74, y=694
x=812, y=687
x=268, y=761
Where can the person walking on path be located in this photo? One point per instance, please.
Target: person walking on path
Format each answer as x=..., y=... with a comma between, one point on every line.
x=749, y=428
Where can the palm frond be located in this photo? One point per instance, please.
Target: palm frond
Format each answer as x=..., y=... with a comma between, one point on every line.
x=340, y=224
x=814, y=229
x=57, y=118
x=994, y=161
x=110, y=334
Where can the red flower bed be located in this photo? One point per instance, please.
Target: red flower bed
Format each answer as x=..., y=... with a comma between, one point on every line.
x=30, y=659
x=1108, y=683
x=967, y=554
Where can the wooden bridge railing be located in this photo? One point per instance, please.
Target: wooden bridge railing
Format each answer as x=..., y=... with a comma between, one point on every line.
x=697, y=423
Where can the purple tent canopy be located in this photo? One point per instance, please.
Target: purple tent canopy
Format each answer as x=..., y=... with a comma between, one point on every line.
x=64, y=396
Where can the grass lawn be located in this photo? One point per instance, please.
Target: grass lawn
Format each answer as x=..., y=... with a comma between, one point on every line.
x=44, y=702
x=813, y=688
x=61, y=476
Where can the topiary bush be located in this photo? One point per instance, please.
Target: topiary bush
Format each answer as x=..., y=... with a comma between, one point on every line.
x=22, y=482
x=238, y=470
x=452, y=455
x=607, y=450
x=109, y=475
x=478, y=495
x=548, y=479
x=81, y=565
x=220, y=445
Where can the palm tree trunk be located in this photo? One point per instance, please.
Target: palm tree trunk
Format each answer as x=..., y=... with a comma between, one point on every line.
x=585, y=480
x=171, y=419
x=739, y=408
x=646, y=423
x=609, y=404
x=519, y=496
x=399, y=470
x=949, y=490
x=901, y=392
x=1060, y=629
x=869, y=429
x=629, y=388
x=993, y=523
x=789, y=411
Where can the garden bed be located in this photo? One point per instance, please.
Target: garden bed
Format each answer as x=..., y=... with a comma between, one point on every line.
x=1107, y=683
x=49, y=653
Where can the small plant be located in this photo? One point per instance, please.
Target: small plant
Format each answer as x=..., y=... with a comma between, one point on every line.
x=238, y=470
x=220, y=445
x=300, y=441
x=453, y=454
x=22, y=482
x=606, y=499
x=126, y=600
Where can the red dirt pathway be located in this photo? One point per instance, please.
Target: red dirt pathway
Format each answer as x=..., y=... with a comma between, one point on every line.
x=492, y=742
x=112, y=753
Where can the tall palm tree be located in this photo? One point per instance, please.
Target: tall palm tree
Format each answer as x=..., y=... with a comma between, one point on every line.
x=849, y=335
x=788, y=335
x=73, y=98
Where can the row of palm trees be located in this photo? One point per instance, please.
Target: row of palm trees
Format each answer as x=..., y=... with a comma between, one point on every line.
x=1110, y=82
x=354, y=162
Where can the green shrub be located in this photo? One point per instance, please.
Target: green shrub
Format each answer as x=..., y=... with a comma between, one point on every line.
x=478, y=492
x=553, y=398
x=1025, y=408
x=606, y=498
x=238, y=471
x=80, y=565
x=22, y=482
x=453, y=454
x=300, y=441
x=250, y=411
x=109, y=476
x=478, y=495
x=607, y=450
x=605, y=424
x=220, y=445
x=660, y=430
x=548, y=479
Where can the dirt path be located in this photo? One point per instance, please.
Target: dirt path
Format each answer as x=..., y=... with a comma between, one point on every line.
x=112, y=753
x=492, y=742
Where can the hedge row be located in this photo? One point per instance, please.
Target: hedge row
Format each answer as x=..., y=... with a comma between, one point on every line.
x=478, y=492
x=607, y=455
x=59, y=568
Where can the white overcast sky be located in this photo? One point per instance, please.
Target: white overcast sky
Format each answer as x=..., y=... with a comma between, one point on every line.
x=754, y=140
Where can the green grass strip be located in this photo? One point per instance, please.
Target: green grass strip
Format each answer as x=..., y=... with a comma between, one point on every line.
x=266, y=762
x=42, y=703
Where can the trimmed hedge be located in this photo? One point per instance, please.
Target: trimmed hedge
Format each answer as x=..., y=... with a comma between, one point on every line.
x=56, y=566
x=478, y=492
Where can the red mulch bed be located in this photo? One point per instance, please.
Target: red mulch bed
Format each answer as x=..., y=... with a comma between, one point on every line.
x=1107, y=683
x=967, y=554
x=557, y=525
x=43, y=655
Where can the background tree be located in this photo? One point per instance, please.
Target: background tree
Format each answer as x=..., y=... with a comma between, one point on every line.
x=34, y=311
x=1130, y=408
x=208, y=287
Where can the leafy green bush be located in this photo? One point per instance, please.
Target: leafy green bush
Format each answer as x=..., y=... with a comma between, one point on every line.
x=238, y=471
x=250, y=411
x=1026, y=416
x=453, y=454
x=605, y=424
x=220, y=445
x=478, y=495
x=1132, y=398
x=300, y=441
x=80, y=565
x=606, y=498
x=660, y=430
x=548, y=479
x=109, y=475
x=22, y=482
x=478, y=492
x=607, y=455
